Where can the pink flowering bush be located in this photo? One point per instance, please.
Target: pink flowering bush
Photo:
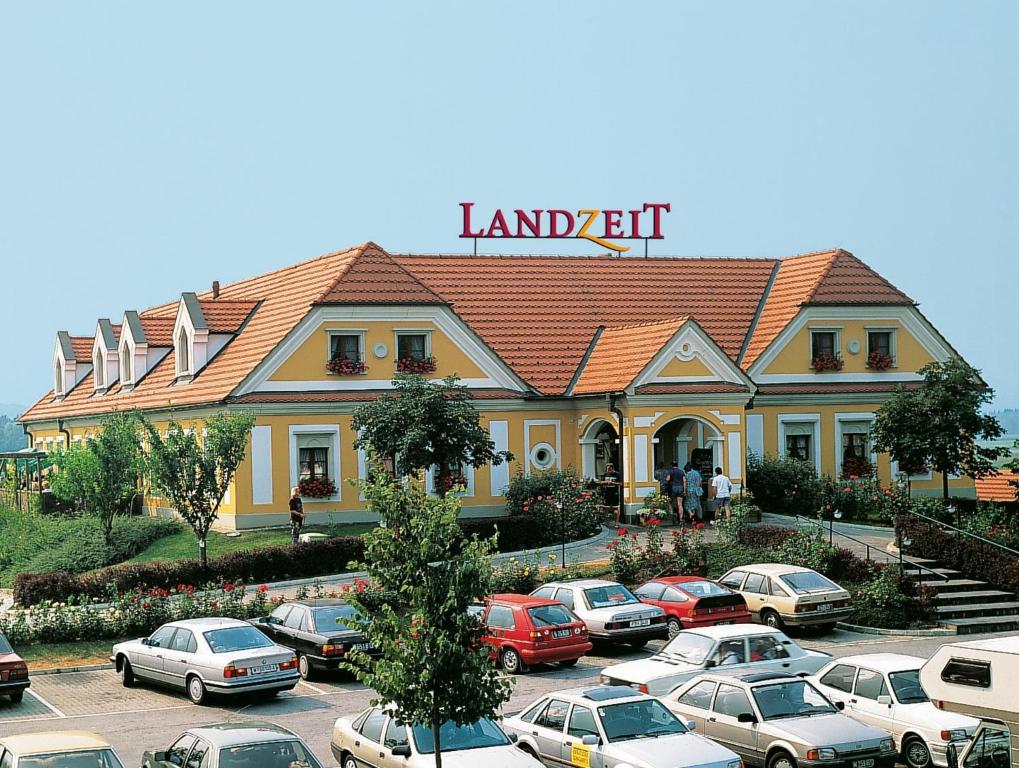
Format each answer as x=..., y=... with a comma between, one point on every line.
x=558, y=503
x=681, y=553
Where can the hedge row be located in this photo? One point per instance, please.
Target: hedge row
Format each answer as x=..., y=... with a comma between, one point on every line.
x=516, y=532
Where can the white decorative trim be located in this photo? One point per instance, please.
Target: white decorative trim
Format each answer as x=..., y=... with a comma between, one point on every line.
x=755, y=433
x=643, y=422
x=640, y=459
x=398, y=332
x=643, y=493
x=499, y=475
x=814, y=419
x=333, y=430
x=836, y=345
x=528, y=423
x=261, y=464
x=358, y=384
x=689, y=342
x=468, y=472
x=735, y=457
x=908, y=317
x=843, y=417
x=893, y=346
x=835, y=378
x=729, y=419
x=443, y=319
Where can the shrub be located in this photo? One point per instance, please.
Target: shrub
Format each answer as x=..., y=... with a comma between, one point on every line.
x=880, y=601
x=632, y=562
x=524, y=575
x=859, y=498
x=516, y=532
x=316, y=558
x=555, y=501
x=766, y=536
x=783, y=485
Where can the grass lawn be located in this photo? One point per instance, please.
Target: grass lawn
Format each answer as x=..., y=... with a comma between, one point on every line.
x=63, y=655
x=183, y=545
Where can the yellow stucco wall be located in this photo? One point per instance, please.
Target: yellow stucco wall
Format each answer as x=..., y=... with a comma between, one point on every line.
x=691, y=368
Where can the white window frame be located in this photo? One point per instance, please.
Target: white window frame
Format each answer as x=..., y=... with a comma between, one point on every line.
x=814, y=419
x=189, y=343
x=811, y=330
x=468, y=473
x=892, y=343
x=398, y=332
x=840, y=419
x=345, y=332
x=126, y=359
x=98, y=371
x=58, y=376
x=333, y=430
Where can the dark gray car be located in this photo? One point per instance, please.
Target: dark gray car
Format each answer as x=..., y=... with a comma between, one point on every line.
x=233, y=745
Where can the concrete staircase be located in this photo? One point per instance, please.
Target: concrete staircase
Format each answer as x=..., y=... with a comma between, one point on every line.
x=966, y=605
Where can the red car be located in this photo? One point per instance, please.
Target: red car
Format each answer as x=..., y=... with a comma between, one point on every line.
x=525, y=630
x=693, y=601
x=13, y=672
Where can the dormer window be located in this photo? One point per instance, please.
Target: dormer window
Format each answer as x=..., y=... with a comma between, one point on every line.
x=126, y=377
x=99, y=368
x=182, y=351
x=58, y=378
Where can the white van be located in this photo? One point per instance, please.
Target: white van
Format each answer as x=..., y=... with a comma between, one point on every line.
x=981, y=679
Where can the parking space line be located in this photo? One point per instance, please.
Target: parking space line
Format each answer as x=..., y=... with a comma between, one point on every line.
x=309, y=685
x=45, y=703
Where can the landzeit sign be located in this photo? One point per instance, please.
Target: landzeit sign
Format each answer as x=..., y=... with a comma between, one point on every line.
x=598, y=226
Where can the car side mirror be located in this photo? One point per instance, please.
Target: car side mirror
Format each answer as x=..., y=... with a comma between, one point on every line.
x=840, y=705
x=145, y=641
x=884, y=700
x=161, y=757
x=952, y=755
x=710, y=663
x=402, y=750
x=513, y=737
x=590, y=740
x=691, y=725
x=746, y=717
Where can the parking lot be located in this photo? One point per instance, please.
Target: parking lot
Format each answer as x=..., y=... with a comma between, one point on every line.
x=143, y=717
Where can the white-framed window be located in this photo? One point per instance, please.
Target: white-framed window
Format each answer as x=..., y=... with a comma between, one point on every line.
x=799, y=436
x=126, y=373
x=825, y=342
x=466, y=475
x=347, y=345
x=182, y=352
x=881, y=341
x=854, y=449
x=58, y=377
x=315, y=455
x=99, y=370
x=413, y=345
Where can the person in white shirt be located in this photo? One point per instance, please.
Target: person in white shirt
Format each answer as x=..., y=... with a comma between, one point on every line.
x=721, y=492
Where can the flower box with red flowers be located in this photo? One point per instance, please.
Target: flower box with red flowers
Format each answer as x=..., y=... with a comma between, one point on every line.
x=415, y=365
x=827, y=363
x=317, y=489
x=878, y=362
x=854, y=467
x=344, y=366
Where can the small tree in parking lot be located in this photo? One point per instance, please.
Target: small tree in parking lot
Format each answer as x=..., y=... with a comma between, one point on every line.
x=434, y=666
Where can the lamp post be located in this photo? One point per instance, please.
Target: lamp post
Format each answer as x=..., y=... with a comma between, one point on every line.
x=562, y=526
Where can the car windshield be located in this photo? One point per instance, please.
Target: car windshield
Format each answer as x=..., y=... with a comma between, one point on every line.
x=551, y=615
x=335, y=617
x=689, y=646
x=609, y=596
x=641, y=719
x=5, y=647
x=483, y=733
x=92, y=758
x=702, y=588
x=792, y=699
x=808, y=581
x=287, y=754
x=236, y=639
x=907, y=687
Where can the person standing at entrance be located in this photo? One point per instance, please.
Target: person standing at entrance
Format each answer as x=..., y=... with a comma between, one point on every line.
x=721, y=490
x=677, y=488
x=296, y=515
x=610, y=483
x=692, y=497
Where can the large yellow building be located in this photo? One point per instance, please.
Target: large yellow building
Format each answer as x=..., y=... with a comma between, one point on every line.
x=701, y=360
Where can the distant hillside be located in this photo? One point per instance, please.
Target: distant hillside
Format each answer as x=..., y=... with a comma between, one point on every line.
x=12, y=437
x=1009, y=418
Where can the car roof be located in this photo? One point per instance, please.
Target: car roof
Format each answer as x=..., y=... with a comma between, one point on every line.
x=884, y=662
x=747, y=678
x=600, y=693
x=773, y=569
x=682, y=580
x=521, y=600
x=582, y=583
x=53, y=741
x=235, y=734
x=210, y=622
x=725, y=631
x=318, y=602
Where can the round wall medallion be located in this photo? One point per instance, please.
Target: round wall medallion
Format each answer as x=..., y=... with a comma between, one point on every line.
x=542, y=456
x=853, y=346
x=380, y=350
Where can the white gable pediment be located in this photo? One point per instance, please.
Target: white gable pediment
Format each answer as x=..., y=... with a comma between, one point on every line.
x=690, y=356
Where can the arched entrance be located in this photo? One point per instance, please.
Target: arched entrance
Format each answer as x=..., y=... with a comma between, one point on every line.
x=689, y=439
x=599, y=446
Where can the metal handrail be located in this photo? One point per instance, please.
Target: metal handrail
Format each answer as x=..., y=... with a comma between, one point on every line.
x=833, y=532
x=964, y=533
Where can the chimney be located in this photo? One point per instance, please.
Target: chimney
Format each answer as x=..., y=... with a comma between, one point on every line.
x=215, y=289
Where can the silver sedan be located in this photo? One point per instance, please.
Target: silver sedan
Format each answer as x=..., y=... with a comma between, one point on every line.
x=204, y=656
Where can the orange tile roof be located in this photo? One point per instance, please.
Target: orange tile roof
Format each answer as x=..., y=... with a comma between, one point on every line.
x=82, y=346
x=694, y=388
x=621, y=353
x=821, y=387
x=375, y=278
x=354, y=396
x=158, y=330
x=998, y=487
x=225, y=315
x=286, y=295
x=539, y=313
x=849, y=280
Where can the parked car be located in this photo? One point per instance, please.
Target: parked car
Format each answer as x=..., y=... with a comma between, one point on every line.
x=373, y=739
x=13, y=672
x=231, y=745
x=610, y=611
x=693, y=601
x=321, y=632
x=525, y=630
x=58, y=749
x=883, y=689
x=779, y=721
x=735, y=648
x=787, y=595
x=608, y=727
x=202, y=656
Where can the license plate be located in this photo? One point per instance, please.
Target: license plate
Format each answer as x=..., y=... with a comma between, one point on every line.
x=723, y=623
x=361, y=647
x=561, y=632
x=266, y=668
x=868, y=763
x=641, y=623
x=827, y=607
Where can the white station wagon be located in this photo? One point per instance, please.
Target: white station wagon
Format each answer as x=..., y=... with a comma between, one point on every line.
x=883, y=689
x=730, y=649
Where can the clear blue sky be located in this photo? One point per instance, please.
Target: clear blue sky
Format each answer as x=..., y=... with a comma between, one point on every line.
x=148, y=150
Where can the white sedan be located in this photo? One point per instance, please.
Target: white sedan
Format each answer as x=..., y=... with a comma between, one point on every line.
x=730, y=648
x=883, y=689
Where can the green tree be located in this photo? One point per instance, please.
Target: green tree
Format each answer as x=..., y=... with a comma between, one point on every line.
x=193, y=472
x=12, y=436
x=1013, y=465
x=434, y=667
x=938, y=424
x=101, y=475
x=421, y=425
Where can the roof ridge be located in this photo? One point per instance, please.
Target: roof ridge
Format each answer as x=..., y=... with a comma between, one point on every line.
x=808, y=254
x=841, y=253
x=580, y=257
x=678, y=319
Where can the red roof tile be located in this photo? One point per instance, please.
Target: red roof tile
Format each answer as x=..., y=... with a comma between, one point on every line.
x=374, y=278
x=82, y=346
x=224, y=315
x=707, y=387
x=822, y=387
x=849, y=281
x=620, y=354
x=158, y=330
x=998, y=487
x=354, y=396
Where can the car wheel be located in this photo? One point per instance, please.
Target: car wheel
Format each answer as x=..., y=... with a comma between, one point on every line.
x=349, y=761
x=126, y=673
x=770, y=618
x=915, y=753
x=196, y=690
x=511, y=661
x=781, y=759
x=568, y=663
x=674, y=627
x=17, y=696
x=304, y=667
